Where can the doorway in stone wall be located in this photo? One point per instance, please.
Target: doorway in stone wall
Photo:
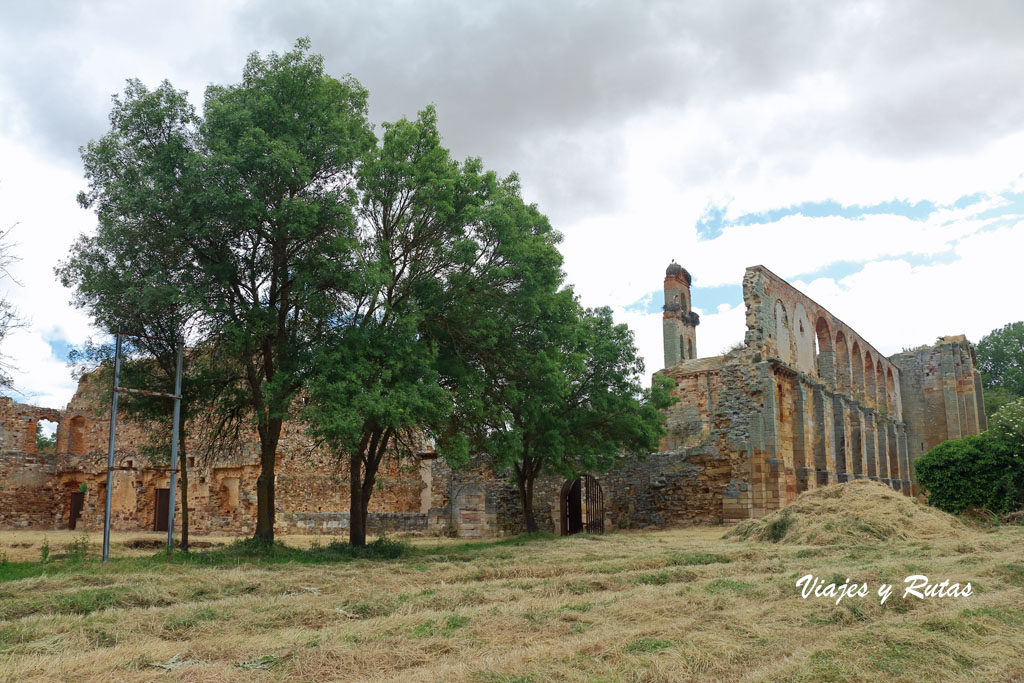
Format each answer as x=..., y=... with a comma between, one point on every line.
x=160, y=510
x=582, y=506
x=75, y=508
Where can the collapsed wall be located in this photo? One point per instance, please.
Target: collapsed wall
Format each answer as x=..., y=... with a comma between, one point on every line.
x=67, y=487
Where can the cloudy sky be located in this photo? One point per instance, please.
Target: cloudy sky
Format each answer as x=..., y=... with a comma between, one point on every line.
x=871, y=153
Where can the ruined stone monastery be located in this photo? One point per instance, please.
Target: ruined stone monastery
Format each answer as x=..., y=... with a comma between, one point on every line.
x=803, y=402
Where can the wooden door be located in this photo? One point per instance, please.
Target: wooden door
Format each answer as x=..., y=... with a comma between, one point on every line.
x=75, y=511
x=162, y=507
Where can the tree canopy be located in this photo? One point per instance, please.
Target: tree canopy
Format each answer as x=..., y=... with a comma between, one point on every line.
x=244, y=213
x=404, y=295
x=1000, y=356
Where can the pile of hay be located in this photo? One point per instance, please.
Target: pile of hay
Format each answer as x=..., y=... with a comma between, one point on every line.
x=855, y=512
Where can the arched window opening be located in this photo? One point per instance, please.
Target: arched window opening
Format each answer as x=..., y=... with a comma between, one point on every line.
x=870, y=388
x=857, y=366
x=77, y=445
x=826, y=358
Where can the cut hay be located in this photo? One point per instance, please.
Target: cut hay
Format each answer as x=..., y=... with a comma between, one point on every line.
x=855, y=512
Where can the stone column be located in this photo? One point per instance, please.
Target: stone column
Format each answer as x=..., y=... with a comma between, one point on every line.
x=882, y=451
x=868, y=436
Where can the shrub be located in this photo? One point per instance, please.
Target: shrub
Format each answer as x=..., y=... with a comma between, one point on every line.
x=979, y=471
x=1007, y=426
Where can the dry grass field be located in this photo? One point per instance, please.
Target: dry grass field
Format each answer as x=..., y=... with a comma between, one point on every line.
x=672, y=605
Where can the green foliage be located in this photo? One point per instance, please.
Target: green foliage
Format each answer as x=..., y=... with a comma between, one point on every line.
x=698, y=558
x=83, y=487
x=78, y=549
x=560, y=391
x=1000, y=356
x=237, y=225
x=44, y=551
x=979, y=471
x=1007, y=426
x=997, y=397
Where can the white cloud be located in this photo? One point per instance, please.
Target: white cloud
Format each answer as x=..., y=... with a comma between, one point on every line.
x=625, y=122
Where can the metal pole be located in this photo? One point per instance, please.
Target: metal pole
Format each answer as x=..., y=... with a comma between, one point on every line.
x=174, y=450
x=110, y=448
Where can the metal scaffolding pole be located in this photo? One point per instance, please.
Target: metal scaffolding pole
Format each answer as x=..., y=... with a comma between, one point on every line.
x=180, y=345
x=174, y=449
x=110, y=449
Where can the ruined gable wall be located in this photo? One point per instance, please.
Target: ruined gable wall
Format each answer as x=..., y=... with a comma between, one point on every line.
x=794, y=413
x=942, y=394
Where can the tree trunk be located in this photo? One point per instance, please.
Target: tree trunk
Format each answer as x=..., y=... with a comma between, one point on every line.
x=183, y=467
x=265, y=483
x=373, y=457
x=525, y=476
x=356, y=524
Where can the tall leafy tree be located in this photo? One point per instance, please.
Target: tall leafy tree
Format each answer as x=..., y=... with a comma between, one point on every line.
x=248, y=210
x=431, y=231
x=1000, y=356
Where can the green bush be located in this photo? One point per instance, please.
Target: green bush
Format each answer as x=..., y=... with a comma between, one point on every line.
x=1007, y=425
x=981, y=471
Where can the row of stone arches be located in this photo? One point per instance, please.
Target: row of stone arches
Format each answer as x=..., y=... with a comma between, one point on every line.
x=839, y=359
x=849, y=369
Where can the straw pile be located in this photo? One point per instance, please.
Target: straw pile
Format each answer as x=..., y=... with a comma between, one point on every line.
x=855, y=512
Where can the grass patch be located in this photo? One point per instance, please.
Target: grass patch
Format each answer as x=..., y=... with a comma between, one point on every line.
x=697, y=558
x=176, y=626
x=436, y=629
x=256, y=551
x=648, y=645
x=662, y=577
x=1012, y=573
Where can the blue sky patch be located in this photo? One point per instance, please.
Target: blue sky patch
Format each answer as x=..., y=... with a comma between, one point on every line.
x=1014, y=206
x=59, y=347
x=707, y=299
x=834, y=271
x=713, y=222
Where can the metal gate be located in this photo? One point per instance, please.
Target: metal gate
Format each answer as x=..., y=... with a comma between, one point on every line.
x=163, y=501
x=582, y=506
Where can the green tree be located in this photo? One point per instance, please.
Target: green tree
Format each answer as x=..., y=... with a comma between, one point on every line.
x=247, y=210
x=1000, y=356
x=431, y=231
x=561, y=394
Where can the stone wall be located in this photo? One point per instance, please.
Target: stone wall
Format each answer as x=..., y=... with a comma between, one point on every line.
x=311, y=486
x=803, y=402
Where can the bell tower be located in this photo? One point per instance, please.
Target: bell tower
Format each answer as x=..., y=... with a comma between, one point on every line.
x=679, y=322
